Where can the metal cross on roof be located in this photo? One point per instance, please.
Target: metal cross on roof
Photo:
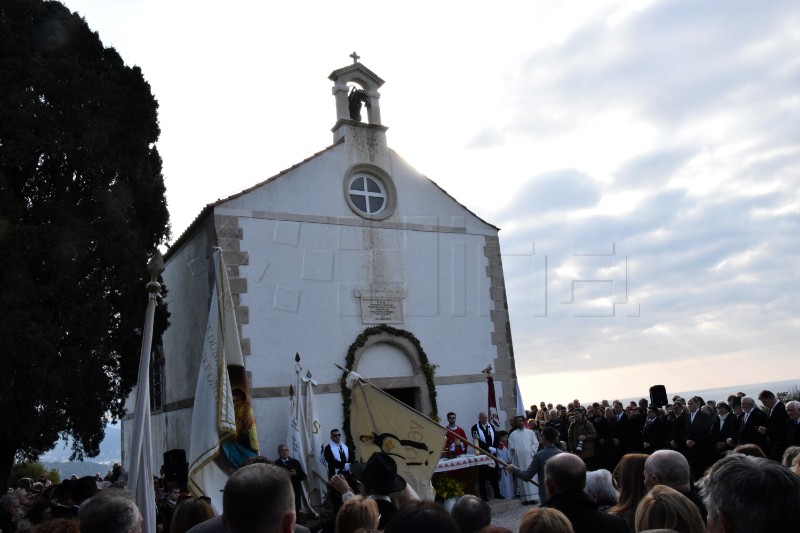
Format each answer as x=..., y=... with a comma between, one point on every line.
x=355, y=57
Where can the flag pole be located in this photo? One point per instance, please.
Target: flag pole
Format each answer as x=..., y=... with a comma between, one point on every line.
x=454, y=434
x=140, y=468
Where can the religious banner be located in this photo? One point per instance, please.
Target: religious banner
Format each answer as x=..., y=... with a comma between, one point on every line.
x=315, y=458
x=214, y=415
x=297, y=434
x=379, y=422
x=494, y=418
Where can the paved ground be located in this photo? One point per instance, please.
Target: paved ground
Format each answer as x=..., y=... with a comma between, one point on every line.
x=506, y=513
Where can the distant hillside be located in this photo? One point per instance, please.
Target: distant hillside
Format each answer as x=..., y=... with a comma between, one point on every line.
x=77, y=468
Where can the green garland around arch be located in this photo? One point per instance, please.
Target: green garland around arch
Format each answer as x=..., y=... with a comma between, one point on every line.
x=427, y=368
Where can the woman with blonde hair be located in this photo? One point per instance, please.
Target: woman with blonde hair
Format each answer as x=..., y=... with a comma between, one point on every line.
x=666, y=508
x=628, y=479
x=544, y=520
x=357, y=513
x=188, y=513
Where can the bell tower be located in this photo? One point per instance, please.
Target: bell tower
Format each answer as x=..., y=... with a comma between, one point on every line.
x=355, y=88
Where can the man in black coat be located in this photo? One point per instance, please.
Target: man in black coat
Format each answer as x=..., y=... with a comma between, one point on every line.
x=484, y=432
x=296, y=473
x=793, y=424
x=753, y=418
x=775, y=429
x=338, y=457
x=654, y=431
x=698, y=450
x=565, y=478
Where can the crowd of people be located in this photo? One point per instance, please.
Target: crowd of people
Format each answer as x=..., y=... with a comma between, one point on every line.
x=691, y=466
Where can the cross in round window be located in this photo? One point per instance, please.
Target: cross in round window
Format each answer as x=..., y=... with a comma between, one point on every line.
x=367, y=194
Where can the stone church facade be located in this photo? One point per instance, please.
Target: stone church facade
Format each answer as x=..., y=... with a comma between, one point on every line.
x=350, y=257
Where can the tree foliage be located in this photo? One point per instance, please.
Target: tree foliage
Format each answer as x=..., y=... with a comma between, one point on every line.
x=33, y=471
x=82, y=207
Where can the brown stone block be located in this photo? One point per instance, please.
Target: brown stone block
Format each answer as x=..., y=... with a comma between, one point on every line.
x=238, y=285
x=236, y=258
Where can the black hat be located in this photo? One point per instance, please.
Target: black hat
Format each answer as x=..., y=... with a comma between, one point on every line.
x=379, y=474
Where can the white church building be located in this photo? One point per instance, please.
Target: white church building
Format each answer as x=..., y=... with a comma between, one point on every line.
x=350, y=257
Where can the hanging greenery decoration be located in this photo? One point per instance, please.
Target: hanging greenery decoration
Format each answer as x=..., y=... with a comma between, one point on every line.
x=427, y=368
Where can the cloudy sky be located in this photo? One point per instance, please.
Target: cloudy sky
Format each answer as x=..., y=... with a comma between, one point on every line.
x=642, y=158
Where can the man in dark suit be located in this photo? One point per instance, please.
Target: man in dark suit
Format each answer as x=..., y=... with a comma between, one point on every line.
x=296, y=474
x=654, y=431
x=752, y=419
x=677, y=435
x=698, y=451
x=775, y=429
x=338, y=458
x=724, y=431
x=565, y=479
x=793, y=424
x=484, y=432
x=620, y=429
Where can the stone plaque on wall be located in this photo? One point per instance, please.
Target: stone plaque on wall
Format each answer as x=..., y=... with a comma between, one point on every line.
x=381, y=307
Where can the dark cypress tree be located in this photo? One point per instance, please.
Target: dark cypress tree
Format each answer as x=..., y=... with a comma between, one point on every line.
x=82, y=207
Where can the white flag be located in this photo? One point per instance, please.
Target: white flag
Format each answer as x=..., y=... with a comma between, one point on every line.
x=296, y=435
x=317, y=468
x=379, y=422
x=140, y=469
x=214, y=415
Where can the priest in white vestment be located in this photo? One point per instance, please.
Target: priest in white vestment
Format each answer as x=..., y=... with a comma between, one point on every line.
x=523, y=445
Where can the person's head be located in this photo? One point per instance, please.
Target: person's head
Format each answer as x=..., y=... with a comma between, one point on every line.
x=502, y=436
x=471, y=513
x=283, y=451
x=110, y=511
x=188, y=514
x=723, y=409
x=793, y=410
x=550, y=435
x=519, y=422
x=336, y=436
x=628, y=479
x=239, y=398
x=40, y=511
x=767, y=398
x=664, y=507
x=482, y=418
x=357, y=513
x=789, y=455
x=10, y=503
x=599, y=487
x=564, y=472
x=174, y=493
x=421, y=517
x=577, y=415
x=379, y=475
x=258, y=498
x=748, y=403
x=451, y=418
x=643, y=403
x=753, y=450
x=652, y=412
x=667, y=467
x=751, y=494
x=618, y=408
x=544, y=520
